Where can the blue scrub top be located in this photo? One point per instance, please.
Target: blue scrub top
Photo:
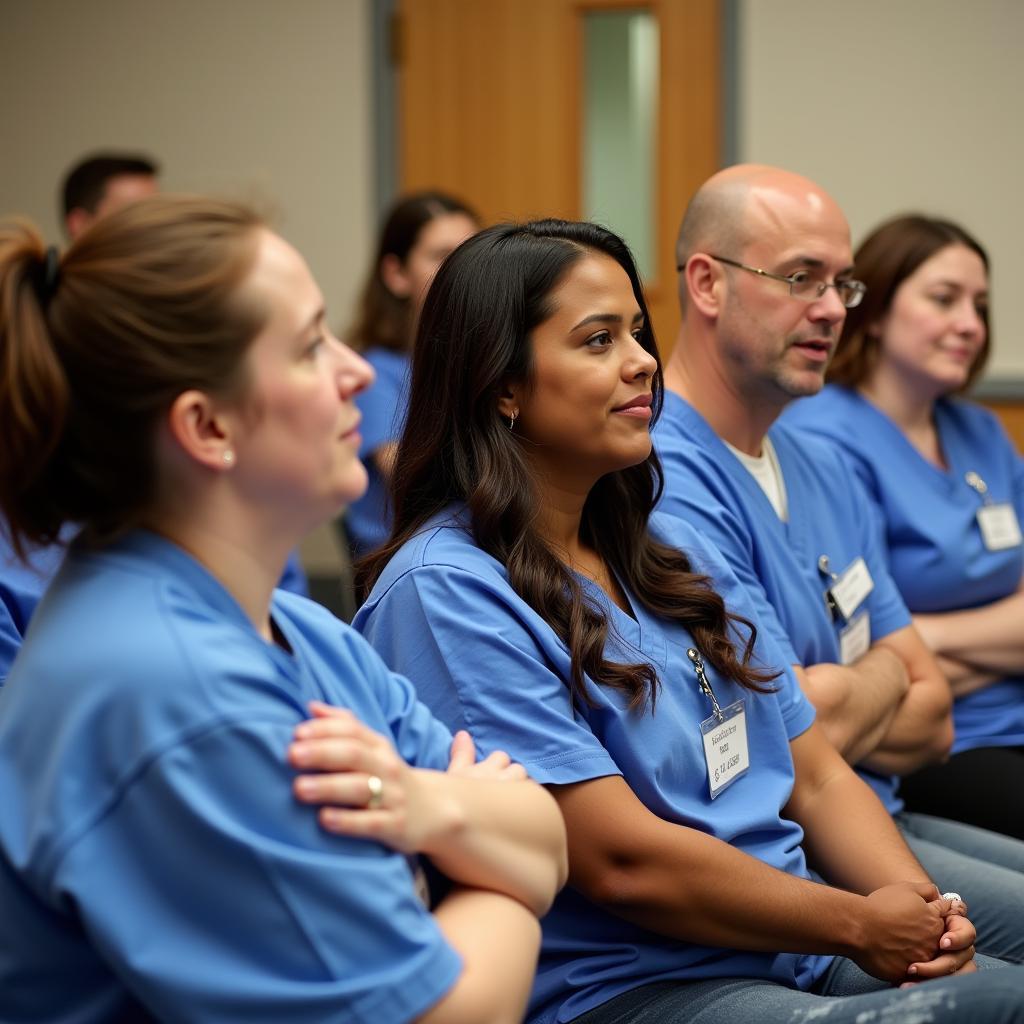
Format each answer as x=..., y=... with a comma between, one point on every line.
x=706, y=485
x=21, y=587
x=151, y=851
x=485, y=661
x=293, y=579
x=384, y=406
x=935, y=548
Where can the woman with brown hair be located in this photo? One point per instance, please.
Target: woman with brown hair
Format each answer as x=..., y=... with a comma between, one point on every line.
x=419, y=231
x=949, y=489
x=541, y=604
x=171, y=388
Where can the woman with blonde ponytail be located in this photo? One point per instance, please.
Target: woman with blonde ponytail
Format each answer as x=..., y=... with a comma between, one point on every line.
x=171, y=393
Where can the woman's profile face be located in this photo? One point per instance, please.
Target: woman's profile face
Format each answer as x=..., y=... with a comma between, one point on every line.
x=587, y=409
x=934, y=329
x=411, y=277
x=297, y=453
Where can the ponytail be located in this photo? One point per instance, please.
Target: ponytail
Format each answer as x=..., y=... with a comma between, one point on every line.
x=95, y=348
x=34, y=392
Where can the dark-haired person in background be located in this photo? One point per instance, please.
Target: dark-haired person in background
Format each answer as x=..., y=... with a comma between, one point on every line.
x=537, y=600
x=418, y=233
x=949, y=488
x=104, y=182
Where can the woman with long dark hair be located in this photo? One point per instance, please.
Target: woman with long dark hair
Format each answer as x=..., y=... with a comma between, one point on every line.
x=171, y=389
x=418, y=232
x=949, y=488
x=610, y=650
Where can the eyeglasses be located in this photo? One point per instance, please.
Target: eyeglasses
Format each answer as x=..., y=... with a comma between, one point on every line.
x=804, y=285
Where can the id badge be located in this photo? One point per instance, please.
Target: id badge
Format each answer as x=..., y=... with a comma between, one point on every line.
x=849, y=589
x=855, y=639
x=725, y=747
x=999, y=527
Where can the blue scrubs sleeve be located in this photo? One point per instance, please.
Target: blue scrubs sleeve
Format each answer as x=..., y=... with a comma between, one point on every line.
x=732, y=539
x=242, y=907
x=885, y=602
x=421, y=738
x=383, y=404
x=10, y=641
x=1018, y=484
x=483, y=664
x=293, y=579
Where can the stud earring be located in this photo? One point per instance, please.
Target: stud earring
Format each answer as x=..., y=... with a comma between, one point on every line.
x=228, y=457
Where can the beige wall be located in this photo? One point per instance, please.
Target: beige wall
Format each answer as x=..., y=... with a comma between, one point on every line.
x=261, y=99
x=898, y=105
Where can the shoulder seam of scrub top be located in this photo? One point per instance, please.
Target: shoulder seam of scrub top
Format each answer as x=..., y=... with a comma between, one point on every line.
x=130, y=777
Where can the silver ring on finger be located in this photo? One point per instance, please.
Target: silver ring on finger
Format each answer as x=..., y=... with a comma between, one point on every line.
x=376, y=787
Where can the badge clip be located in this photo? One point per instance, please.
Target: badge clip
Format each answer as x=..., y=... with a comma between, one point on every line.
x=702, y=680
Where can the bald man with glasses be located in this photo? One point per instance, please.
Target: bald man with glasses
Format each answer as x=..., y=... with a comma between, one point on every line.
x=765, y=279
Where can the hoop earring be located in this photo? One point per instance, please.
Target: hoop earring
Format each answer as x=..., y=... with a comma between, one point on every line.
x=512, y=419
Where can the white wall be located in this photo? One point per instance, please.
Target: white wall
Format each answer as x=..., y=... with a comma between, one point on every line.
x=261, y=99
x=898, y=105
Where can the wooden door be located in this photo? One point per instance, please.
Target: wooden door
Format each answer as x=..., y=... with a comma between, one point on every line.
x=490, y=108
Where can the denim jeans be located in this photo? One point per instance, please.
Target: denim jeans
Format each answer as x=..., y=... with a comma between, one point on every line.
x=844, y=995
x=986, y=868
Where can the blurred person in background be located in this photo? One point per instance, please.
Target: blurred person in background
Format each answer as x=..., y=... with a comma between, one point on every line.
x=948, y=486
x=419, y=231
x=102, y=183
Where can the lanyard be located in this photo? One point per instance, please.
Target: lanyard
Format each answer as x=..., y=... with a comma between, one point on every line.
x=702, y=680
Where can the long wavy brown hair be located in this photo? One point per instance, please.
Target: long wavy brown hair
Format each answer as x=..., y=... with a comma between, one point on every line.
x=473, y=337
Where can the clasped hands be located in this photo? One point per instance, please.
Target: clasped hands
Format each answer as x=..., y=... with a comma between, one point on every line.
x=916, y=935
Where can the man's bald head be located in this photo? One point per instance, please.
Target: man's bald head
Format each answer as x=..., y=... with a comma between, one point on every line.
x=742, y=203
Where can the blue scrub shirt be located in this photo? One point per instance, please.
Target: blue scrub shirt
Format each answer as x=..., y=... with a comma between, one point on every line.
x=21, y=587
x=706, y=485
x=383, y=406
x=935, y=550
x=151, y=851
x=485, y=661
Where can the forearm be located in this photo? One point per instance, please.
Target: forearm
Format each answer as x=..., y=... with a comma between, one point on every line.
x=688, y=885
x=856, y=704
x=988, y=638
x=836, y=817
x=696, y=888
x=919, y=734
x=498, y=940
x=921, y=731
x=963, y=678
x=508, y=837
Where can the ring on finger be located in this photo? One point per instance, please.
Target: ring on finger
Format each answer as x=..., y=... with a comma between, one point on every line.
x=376, y=787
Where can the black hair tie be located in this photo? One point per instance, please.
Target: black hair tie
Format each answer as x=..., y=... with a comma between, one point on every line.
x=47, y=276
